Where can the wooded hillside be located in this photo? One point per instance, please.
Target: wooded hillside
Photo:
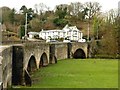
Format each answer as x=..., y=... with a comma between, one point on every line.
x=104, y=27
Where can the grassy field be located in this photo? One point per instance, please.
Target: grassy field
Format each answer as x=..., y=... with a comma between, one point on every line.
x=77, y=73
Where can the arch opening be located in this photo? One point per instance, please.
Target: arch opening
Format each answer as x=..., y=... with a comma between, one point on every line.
x=79, y=53
x=43, y=60
x=52, y=56
x=53, y=59
x=32, y=64
x=28, y=81
x=30, y=69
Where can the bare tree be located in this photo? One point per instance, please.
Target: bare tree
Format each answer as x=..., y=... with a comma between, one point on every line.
x=41, y=8
x=92, y=9
x=36, y=8
x=111, y=15
x=75, y=8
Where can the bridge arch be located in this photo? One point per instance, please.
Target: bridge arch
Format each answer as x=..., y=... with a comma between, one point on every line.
x=43, y=60
x=53, y=59
x=32, y=66
x=79, y=53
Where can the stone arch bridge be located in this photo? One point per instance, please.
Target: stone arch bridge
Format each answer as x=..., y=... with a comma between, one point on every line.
x=20, y=60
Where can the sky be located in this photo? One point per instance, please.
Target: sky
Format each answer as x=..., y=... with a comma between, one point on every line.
x=17, y=4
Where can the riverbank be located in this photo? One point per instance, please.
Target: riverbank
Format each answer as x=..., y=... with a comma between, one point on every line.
x=78, y=73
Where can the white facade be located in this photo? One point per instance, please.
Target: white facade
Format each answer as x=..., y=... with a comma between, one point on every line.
x=72, y=33
x=32, y=34
x=51, y=34
x=67, y=33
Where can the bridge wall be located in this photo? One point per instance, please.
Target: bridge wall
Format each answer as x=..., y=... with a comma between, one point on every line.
x=17, y=64
x=16, y=58
x=36, y=50
x=6, y=65
x=73, y=47
x=59, y=50
x=22, y=54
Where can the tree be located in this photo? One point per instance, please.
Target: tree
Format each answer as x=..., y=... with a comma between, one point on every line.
x=117, y=29
x=8, y=18
x=23, y=9
x=85, y=12
x=110, y=16
x=97, y=21
x=21, y=31
x=90, y=9
x=29, y=12
x=75, y=8
x=109, y=41
x=35, y=25
x=60, y=22
x=20, y=19
x=60, y=12
x=5, y=14
x=12, y=16
x=118, y=36
x=41, y=8
x=1, y=15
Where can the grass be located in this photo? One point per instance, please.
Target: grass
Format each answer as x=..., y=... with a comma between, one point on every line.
x=76, y=73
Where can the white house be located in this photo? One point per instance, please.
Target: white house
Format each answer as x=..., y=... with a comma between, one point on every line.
x=72, y=33
x=32, y=35
x=51, y=34
x=67, y=33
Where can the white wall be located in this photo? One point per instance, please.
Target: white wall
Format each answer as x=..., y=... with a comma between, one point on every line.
x=31, y=36
x=72, y=33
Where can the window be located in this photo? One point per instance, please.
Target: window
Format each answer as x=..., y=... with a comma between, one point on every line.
x=74, y=32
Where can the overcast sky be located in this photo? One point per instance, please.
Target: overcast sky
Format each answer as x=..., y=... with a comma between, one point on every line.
x=106, y=4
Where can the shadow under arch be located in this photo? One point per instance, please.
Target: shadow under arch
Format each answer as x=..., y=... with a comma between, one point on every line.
x=53, y=59
x=79, y=53
x=43, y=60
x=30, y=68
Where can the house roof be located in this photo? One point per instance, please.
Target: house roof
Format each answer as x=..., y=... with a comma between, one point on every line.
x=69, y=28
x=33, y=33
x=52, y=31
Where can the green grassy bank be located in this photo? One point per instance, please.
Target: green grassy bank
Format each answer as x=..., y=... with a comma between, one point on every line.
x=78, y=73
